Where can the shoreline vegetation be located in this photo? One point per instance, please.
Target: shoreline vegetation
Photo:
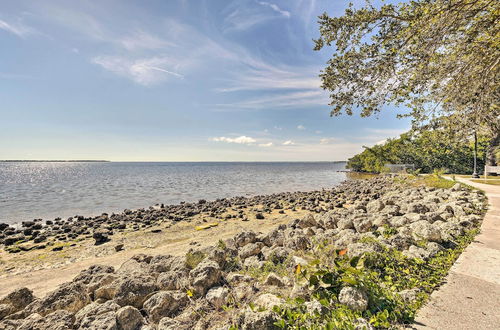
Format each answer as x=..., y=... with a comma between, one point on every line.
x=363, y=255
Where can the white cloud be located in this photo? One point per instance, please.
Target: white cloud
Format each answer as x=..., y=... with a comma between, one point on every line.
x=301, y=127
x=289, y=143
x=139, y=40
x=278, y=128
x=327, y=141
x=284, y=100
x=146, y=71
x=318, y=132
x=239, y=140
x=270, y=144
x=275, y=8
x=18, y=29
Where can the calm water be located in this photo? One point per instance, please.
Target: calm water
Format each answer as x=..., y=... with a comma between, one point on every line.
x=49, y=190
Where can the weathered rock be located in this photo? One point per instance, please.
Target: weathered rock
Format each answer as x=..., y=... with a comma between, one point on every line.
x=249, y=250
x=134, y=290
x=69, y=296
x=307, y=221
x=353, y=298
x=165, y=303
x=268, y=301
x=15, y=301
x=206, y=275
x=58, y=320
x=168, y=323
x=374, y=206
x=273, y=279
x=97, y=316
x=258, y=320
x=129, y=318
x=245, y=238
x=426, y=231
x=217, y=297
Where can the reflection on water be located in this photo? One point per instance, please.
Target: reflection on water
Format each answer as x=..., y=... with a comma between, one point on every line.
x=48, y=190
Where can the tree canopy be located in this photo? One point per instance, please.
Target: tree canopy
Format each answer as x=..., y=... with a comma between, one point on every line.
x=436, y=57
x=434, y=147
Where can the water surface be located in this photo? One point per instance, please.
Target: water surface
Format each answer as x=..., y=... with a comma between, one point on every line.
x=47, y=190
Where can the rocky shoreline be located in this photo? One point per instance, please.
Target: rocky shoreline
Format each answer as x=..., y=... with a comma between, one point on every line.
x=359, y=259
x=40, y=234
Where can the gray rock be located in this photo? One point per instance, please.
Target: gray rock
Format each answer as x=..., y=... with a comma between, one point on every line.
x=354, y=298
x=204, y=276
x=307, y=221
x=129, y=318
x=244, y=238
x=168, y=323
x=69, y=296
x=250, y=250
x=258, y=320
x=165, y=303
x=268, y=301
x=134, y=290
x=86, y=316
x=425, y=230
x=58, y=320
x=217, y=297
x=374, y=206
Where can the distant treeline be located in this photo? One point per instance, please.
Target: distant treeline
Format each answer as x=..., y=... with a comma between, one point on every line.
x=427, y=149
x=52, y=161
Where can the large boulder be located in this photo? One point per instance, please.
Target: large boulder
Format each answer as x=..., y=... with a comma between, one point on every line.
x=58, y=320
x=165, y=303
x=134, y=290
x=204, y=276
x=217, y=297
x=15, y=301
x=426, y=231
x=129, y=318
x=70, y=297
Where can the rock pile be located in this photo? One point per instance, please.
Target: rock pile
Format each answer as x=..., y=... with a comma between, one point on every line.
x=224, y=287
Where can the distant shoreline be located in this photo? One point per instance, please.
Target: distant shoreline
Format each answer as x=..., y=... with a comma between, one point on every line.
x=54, y=161
x=208, y=161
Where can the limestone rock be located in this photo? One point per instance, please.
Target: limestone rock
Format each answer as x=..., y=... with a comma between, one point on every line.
x=354, y=298
x=164, y=303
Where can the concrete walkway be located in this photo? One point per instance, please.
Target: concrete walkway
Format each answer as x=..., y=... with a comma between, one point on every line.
x=470, y=298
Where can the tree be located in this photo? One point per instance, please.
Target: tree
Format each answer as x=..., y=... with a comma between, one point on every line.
x=436, y=57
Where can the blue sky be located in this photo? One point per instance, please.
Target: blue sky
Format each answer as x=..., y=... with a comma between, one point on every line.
x=186, y=80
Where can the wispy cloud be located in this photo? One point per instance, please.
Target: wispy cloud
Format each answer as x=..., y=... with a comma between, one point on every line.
x=148, y=71
x=266, y=145
x=289, y=143
x=140, y=40
x=239, y=140
x=275, y=8
x=283, y=100
x=19, y=29
x=328, y=140
x=301, y=127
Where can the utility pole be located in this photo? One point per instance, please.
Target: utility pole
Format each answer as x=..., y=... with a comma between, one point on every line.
x=475, y=175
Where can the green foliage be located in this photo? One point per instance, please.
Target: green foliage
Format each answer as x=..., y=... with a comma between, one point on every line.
x=382, y=275
x=433, y=56
x=429, y=149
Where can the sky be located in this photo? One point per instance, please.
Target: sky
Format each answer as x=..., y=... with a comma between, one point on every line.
x=177, y=80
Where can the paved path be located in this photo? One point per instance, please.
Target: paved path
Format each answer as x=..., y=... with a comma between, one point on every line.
x=470, y=299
